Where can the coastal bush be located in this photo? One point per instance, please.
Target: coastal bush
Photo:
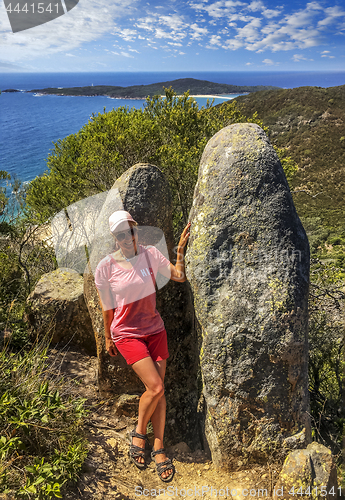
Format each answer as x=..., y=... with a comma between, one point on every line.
x=42, y=446
x=326, y=353
x=23, y=259
x=170, y=132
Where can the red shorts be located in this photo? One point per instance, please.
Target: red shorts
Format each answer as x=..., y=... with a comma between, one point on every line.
x=155, y=346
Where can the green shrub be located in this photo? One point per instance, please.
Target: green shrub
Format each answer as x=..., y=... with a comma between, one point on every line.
x=170, y=132
x=326, y=348
x=336, y=240
x=41, y=441
x=316, y=231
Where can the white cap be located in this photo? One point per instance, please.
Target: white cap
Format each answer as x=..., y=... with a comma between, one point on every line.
x=117, y=218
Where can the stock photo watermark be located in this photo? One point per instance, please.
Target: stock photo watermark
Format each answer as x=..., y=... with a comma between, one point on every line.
x=24, y=15
x=237, y=262
x=210, y=491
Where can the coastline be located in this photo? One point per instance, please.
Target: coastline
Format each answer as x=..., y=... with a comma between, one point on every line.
x=196, y=89
x=227, y=96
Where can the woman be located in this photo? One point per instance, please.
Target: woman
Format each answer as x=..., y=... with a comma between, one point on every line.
x=133, y=326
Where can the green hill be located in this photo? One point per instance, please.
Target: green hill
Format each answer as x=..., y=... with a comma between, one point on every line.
x=142, y=91
x=310, y=123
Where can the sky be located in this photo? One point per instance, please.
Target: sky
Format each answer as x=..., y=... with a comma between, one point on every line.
x=181, y=35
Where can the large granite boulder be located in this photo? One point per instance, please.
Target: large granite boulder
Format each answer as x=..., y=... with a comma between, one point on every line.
x=248, y=266
x=144, y=192
x=57, y=308
x=306, y=473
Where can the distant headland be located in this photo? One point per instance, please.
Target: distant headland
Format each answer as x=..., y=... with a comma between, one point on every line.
x=195, y=87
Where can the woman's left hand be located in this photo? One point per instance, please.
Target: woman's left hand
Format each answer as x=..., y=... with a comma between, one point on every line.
x=184, y=236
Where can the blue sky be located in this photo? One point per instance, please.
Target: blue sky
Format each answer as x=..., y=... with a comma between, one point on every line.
x=188, y=35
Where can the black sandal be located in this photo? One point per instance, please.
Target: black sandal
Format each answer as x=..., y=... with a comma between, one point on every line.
x=163, y=466
x=137, y=451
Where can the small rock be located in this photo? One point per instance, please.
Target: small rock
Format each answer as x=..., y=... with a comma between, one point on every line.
x=182, y=448
x=113, y=443
x=309, y=470
x=128, y=405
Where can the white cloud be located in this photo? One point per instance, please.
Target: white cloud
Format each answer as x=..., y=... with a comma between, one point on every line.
x=87, y=22
x=164, y=27
x=269, y=13
x=256, y=5
x=174, y=22
x=250, y=32
x=215, y=24
x=299, y=19
x=298, y=29
x=197, y=32
x=269, y=62
x=215, y=40
x=129, y=35
x=122, y=53
x=299, y=58
x=332, y=14
x=146, y=23
x=232, y=44
x=219, y=9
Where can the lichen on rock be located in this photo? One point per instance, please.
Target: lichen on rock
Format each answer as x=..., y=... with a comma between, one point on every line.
x=248, y=266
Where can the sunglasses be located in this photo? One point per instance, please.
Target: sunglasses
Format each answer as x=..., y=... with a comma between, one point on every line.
x=123, y=234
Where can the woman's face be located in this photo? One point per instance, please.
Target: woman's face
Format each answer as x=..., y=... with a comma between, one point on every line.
x=126, y=236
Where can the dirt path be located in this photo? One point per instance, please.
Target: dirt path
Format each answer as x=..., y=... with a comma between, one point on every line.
x=108, y=473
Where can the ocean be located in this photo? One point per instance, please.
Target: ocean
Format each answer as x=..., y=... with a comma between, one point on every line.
x=30, y=124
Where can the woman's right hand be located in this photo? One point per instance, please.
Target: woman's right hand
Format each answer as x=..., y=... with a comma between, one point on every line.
x=110, y=347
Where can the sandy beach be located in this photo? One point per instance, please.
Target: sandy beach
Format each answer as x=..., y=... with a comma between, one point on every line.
x=221, y=96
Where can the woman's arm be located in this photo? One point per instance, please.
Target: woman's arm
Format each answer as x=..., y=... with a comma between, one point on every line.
x=108, y=316
x=177, y=271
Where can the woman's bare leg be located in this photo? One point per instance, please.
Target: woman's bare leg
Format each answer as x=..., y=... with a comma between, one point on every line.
x=152, y=404
x=158, y=420
x=147, y=372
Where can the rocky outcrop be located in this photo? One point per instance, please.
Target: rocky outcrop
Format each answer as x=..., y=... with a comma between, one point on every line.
x=57, y=309
x=306, y=473
x=248, y=266
x=144, y=192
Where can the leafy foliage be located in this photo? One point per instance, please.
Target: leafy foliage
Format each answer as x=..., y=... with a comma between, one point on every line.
x=326, y=348
x=170, y=132
x=41, y=441
x=24, y=257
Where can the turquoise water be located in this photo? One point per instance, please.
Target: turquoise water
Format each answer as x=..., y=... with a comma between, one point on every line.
x=30, y=124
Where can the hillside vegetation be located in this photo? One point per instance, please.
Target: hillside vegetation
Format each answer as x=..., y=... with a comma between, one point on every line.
x=310, y=123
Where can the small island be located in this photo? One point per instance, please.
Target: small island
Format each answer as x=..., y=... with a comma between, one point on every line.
x=195, y=87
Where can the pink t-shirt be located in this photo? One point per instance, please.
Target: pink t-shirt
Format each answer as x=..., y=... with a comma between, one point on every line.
x=131, y=292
